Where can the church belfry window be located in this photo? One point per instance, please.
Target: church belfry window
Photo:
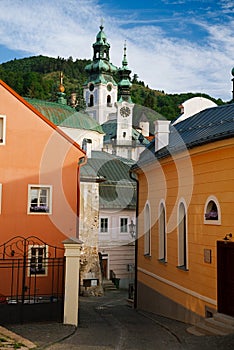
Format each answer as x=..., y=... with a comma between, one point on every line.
x=108, y=100
x=91, y=101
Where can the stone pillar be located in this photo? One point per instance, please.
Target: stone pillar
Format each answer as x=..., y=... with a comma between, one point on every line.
x=71, y=296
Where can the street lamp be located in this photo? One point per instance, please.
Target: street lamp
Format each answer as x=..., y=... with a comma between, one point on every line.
x=132, y=229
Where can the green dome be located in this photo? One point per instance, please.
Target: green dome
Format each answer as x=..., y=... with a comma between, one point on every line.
x=65, y=116
x=101, y=38
x=101, y=66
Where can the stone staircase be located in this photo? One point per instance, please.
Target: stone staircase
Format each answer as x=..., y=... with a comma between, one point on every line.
x=108, y=285
x=219, y=324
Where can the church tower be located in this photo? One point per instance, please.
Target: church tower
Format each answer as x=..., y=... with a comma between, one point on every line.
x=124, y=108
x=100, y=90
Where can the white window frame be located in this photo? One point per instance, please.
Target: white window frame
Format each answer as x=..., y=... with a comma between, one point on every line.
x=162, y=232
x=182, y=233
x=2, y=130
x=107, y=229
x=122, y=226
x=147, y=230
x=212, y=198
x=44, y=261
x=48, y=199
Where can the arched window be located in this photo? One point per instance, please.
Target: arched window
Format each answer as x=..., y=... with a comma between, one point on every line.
x=162, y=233
x=108, y=101
x=212, y=213
x=147, y=231
x=182, y=237
x=91, y=101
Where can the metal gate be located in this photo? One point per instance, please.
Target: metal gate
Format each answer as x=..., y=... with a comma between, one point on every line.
x=31, y=281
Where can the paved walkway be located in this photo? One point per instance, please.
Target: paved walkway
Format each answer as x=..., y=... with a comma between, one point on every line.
x=108, y=322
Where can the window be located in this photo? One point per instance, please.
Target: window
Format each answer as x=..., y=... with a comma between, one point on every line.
x=37, y=258
x=182, y=238
x=212, y=211
x=109, y=104
x=91, y=101
x=104, y=225
x=147, y=231
x=123, y=225
x=40, y=199
x=162, y=233
x=2, y=129
x=129, y=154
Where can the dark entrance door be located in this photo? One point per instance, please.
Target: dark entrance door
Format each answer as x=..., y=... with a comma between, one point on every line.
x=31, y=281
x=225, y=277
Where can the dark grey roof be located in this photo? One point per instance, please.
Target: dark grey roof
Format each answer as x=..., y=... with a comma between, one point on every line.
x=116, y=189
x=207, y=126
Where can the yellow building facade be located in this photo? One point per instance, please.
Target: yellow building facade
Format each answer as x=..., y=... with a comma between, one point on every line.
x=185, y=250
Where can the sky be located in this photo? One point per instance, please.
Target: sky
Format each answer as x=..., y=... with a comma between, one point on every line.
x=172, y=45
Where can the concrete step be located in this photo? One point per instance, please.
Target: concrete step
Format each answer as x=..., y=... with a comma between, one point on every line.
x=108, y=285
x=193, y=330
x=208, y=329
x=219, y=324
x=224, y=319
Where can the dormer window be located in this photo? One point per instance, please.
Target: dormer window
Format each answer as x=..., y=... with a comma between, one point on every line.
x=212, y=213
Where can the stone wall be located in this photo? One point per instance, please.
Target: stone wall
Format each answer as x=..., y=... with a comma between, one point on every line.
x=90, y=270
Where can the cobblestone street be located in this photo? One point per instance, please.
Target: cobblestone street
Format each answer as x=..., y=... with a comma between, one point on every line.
x=108, y=322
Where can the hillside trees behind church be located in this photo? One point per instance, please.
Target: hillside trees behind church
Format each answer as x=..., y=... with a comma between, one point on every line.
x=38, y=77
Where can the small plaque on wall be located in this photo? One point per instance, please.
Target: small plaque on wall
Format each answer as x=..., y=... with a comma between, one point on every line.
x=207, y=256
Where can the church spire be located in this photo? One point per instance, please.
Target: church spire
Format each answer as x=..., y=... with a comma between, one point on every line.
x=125, y=62
x=125, y=84
x=101, y=70
x=101, y=47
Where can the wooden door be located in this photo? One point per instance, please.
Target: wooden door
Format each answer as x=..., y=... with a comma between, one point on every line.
x=105, y=267
x=225, y=277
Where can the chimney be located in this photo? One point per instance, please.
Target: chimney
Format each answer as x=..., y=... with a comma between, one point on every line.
x=87, y=147
x=161, y=133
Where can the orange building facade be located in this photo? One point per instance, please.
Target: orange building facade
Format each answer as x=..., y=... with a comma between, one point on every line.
x=185, y=249
x=39, y=174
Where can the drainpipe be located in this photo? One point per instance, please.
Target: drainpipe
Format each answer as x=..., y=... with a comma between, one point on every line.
x=136, y=239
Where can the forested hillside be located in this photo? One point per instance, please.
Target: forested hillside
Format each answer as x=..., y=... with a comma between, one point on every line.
x=38, y=77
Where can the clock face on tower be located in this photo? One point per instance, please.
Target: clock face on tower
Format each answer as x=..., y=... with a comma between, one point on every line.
x=125, y=111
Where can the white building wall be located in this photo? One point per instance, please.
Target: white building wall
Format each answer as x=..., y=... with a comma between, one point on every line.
x=101, y=111
x=119, y=247
x=79, y=135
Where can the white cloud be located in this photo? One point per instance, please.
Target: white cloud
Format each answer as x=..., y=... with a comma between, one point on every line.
x=68, y=28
